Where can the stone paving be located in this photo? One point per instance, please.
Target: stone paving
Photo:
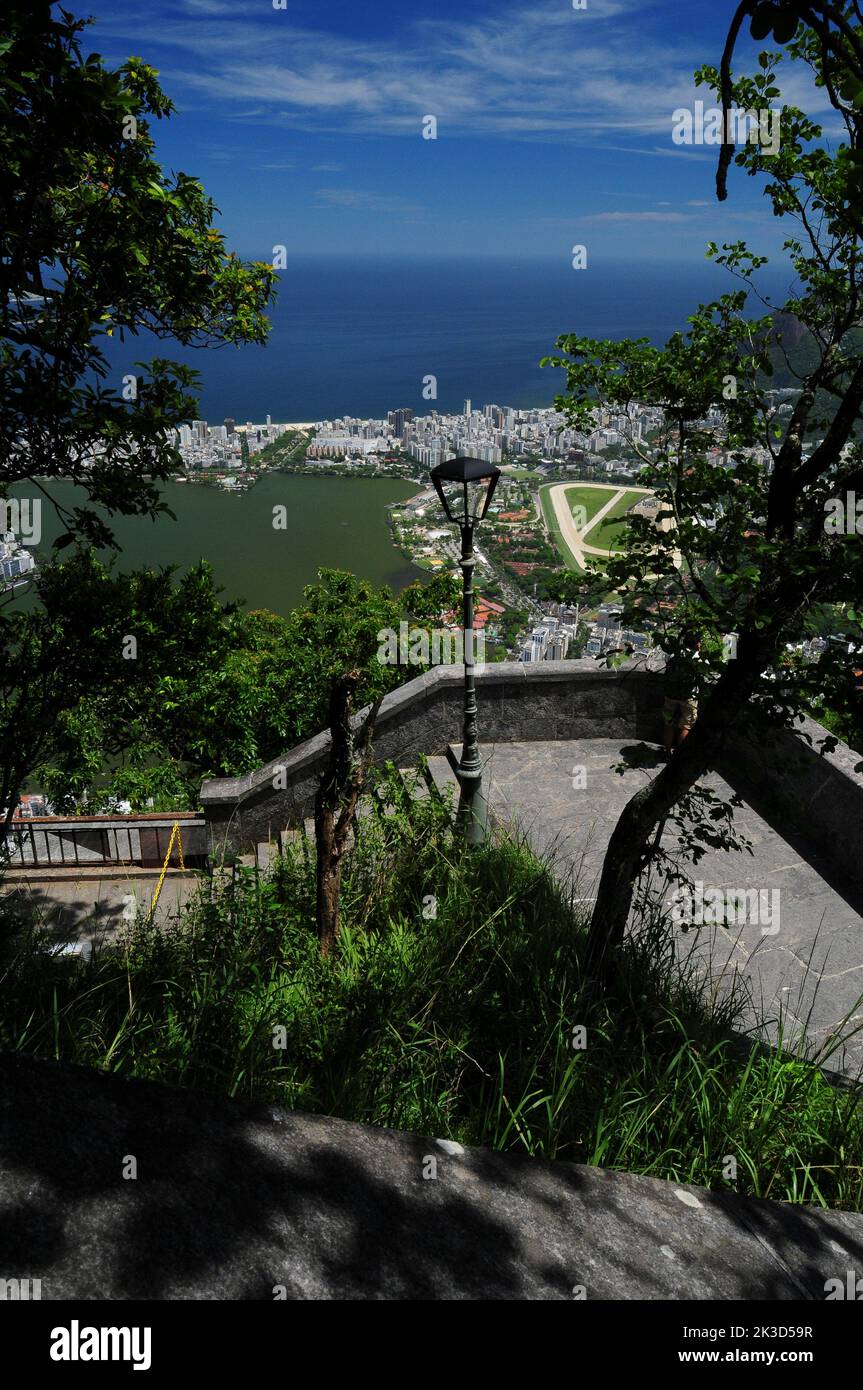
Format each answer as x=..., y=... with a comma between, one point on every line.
x=80, y=911
x=805, y=980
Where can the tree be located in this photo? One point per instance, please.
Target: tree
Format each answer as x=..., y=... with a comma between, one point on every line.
x=97, y=243
x=576, y=589
x=289, y=677
x=139, y=686
x=337, y=656
x=748, y=549
x=112, y=669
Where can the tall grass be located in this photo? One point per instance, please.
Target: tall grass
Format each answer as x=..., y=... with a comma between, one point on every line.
x=451, y=1008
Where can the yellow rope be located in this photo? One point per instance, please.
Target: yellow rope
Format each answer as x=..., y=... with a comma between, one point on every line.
x=175, y=835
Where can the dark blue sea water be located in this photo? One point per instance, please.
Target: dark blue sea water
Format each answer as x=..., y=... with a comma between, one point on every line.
x=357, y=337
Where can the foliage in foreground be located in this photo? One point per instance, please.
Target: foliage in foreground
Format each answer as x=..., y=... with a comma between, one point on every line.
x=211, y=691
x=449, y=1008
x=762, y=544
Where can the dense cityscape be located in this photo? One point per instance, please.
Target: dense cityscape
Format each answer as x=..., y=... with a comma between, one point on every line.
x=518, y=551
x=493, y=433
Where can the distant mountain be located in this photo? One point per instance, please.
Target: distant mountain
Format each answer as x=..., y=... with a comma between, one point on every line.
x=795, y=351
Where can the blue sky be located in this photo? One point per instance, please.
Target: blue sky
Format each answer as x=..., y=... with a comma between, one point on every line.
x=554, y=125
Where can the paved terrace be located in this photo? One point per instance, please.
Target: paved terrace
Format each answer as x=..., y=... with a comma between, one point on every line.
x=82, y=878
x=806, y=978
x=80, y=910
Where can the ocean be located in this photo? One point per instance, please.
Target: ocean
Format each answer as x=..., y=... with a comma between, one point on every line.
x=358, y=337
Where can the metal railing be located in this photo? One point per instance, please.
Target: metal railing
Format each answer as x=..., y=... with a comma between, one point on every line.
x=82, y=842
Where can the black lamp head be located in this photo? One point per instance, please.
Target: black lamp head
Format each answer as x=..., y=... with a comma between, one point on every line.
x=477, y=481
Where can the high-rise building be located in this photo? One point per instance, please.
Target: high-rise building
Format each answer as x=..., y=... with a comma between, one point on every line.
x=17, y=565
x=397, y=419
x=536, y=646
x=558, y=647
x=230, y=425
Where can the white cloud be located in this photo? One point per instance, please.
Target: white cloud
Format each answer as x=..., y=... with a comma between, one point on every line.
x=543, y=72
x=363, y=200
x=638, y=217
x=197, y=7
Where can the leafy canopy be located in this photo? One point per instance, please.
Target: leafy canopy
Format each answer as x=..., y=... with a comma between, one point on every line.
x=743, y=548
x=97, y=242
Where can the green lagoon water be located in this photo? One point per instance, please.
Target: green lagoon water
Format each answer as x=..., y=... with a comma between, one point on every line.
x=339, y=523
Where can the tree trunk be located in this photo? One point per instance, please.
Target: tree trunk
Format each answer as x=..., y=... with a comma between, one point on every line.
x=329, y=878
x=630, y=849
x=10, y=794
x=341, y=785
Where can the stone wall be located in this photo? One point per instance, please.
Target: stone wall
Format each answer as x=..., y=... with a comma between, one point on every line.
x=784, y=775
x=517, y=703
x=799, y=788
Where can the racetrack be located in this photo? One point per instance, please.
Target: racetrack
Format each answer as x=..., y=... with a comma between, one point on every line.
x=574, y=538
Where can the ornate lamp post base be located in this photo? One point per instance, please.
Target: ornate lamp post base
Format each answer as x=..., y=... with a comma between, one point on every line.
x=472, y=814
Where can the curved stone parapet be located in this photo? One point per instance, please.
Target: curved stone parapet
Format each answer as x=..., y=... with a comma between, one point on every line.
x=785, y=771
x=517, y=703
x=797, y=785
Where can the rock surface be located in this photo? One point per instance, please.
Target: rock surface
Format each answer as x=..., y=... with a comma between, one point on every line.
x=233, y=1201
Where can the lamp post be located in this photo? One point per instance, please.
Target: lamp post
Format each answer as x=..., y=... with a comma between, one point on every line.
x=474, y=482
